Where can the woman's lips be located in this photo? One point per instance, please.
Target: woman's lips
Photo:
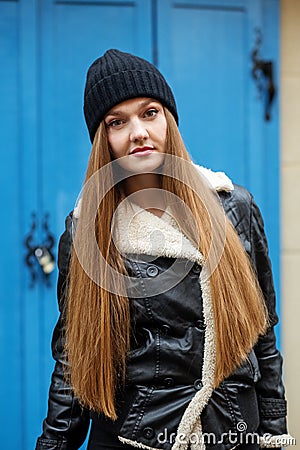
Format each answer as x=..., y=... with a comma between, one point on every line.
x=142, y=151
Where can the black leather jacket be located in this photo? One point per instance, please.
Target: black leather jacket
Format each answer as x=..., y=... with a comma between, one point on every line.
x=165, y=363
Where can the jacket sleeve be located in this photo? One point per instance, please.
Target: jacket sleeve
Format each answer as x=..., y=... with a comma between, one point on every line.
x=67, y=423
x=270, y=389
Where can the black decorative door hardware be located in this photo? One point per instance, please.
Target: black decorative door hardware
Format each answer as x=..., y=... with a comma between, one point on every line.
x=40, y=258
x=263, y=74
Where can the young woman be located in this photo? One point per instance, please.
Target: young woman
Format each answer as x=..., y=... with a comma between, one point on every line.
x=166, y=333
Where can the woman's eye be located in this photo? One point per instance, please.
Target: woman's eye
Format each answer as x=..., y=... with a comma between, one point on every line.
x=151, y=112
x=115, y=123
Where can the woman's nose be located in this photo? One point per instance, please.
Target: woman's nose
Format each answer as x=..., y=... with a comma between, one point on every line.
x=138, y=131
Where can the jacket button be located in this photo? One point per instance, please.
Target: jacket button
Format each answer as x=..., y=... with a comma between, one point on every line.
x=165, y=329
x=200, y=324
x=168, y=382
x=148, y=432
x=152, y=271
x=198, y=385
x=196, y=269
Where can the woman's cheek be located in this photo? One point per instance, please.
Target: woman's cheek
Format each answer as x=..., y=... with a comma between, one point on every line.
x=116, y=147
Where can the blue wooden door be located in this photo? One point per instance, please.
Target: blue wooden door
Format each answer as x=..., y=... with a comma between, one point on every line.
x=11, y=306
x=203, y=48
x=46, y=47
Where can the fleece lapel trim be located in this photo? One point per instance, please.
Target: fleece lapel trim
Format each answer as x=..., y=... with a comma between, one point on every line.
x=138, y=231
x=218, y=180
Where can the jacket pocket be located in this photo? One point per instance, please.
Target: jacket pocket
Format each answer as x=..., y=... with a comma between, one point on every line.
x=231, y=417
x=153, y=419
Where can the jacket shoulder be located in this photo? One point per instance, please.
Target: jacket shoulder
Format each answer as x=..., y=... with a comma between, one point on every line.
x=65, y=244
x=239, y=195
x=237, y=204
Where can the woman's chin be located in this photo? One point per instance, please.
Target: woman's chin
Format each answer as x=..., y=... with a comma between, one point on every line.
x=142, y=164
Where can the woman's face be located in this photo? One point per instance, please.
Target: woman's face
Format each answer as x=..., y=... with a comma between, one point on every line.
x=136, y=128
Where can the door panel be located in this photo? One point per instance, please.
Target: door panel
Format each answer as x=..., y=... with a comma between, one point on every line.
x=72, y=35
x=10, y=277
x=204, y=49
x=209, y=70
x=82, y=33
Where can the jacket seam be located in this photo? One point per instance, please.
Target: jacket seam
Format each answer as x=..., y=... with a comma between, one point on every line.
x=142, y=413
x=157, y=356
x=229, y=404
x=145, y=299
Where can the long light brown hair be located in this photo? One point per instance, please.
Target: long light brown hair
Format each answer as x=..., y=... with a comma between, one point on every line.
x=98, y=321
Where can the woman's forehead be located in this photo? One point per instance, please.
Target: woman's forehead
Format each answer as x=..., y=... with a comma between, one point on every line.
x=132, y=103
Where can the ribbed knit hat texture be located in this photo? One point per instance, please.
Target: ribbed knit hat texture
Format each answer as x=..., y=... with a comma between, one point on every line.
x=116, y=77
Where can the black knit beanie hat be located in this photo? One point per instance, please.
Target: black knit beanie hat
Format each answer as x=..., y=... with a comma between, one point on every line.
x=116, y=77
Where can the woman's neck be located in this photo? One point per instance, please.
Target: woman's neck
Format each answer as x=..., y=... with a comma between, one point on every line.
x=145, y=191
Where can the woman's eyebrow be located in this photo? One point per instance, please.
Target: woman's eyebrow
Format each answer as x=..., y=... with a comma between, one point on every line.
x=147, y=102
x=113, y=112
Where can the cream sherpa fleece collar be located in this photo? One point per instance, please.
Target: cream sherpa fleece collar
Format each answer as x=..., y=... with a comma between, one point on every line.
x=218, y=180
x=137, y=231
